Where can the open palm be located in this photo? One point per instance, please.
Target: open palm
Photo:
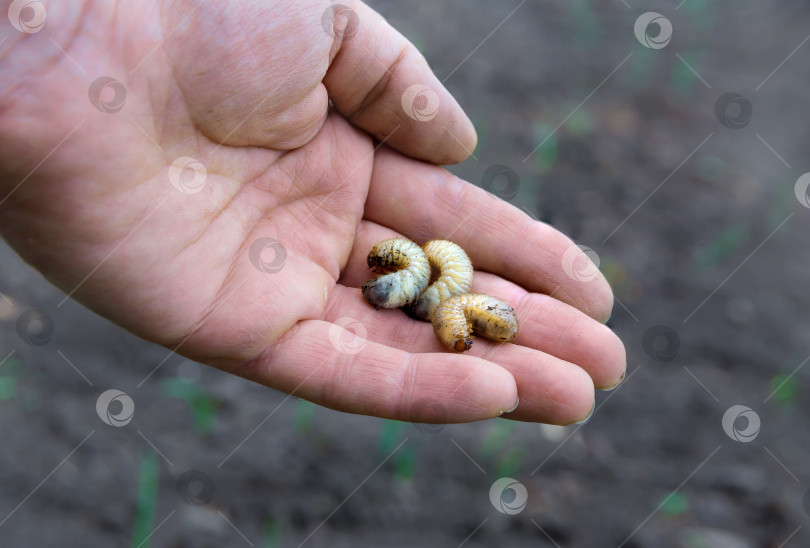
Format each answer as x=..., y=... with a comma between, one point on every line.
x=223, y=208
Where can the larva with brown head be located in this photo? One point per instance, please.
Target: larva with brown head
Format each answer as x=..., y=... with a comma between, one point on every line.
x=456, y=319
x=453, y=273
x=410, y=276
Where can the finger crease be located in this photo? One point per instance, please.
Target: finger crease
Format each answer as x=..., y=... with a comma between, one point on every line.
x=380, y=87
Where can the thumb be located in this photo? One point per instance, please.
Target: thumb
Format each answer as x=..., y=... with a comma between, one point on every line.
x=380, y=82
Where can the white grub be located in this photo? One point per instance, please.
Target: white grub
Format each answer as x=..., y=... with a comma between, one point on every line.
x=410, y=276
x=456, y=319
x=453, y=274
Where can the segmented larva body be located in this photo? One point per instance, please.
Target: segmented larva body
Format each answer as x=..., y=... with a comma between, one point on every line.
x=409, y=279
x=453, y=273
x=456, y=319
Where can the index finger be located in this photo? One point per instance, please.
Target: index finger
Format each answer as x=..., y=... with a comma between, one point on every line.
x=426, y=202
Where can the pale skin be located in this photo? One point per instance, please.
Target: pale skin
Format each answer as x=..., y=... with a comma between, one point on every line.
x=244, y=89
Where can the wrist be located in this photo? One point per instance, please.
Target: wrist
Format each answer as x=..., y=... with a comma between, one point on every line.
x=37, y=76
x=38, y=35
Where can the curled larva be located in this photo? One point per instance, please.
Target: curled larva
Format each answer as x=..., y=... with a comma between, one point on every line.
x=410, y=276
x=456, y=319
x=453, y=274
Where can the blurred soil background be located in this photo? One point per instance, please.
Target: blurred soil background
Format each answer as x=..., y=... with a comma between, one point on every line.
x=690, y=207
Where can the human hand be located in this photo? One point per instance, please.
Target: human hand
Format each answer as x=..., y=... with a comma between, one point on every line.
x=93, y=201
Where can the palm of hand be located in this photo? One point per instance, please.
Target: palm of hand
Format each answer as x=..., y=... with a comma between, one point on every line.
x=180, y=265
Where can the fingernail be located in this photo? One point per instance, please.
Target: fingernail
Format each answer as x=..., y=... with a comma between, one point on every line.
x=621, y=380
x=586, y=419
x=517, y=401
